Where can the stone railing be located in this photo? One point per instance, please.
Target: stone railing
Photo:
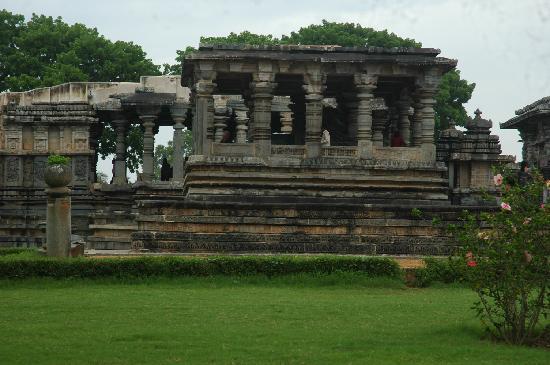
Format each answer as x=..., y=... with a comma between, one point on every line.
x=288, y=150
x=340, y=151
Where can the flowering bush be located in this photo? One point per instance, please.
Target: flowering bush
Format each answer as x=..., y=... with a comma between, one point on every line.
x=505, y=256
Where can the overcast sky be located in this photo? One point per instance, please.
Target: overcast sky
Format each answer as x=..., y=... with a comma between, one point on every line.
x=501, y=45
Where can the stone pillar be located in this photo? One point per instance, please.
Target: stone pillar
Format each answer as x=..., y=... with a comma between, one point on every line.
x=148, y=147
x=179, y=113
x=121, y=127
x=314, y=87
x=416, y=138
x=241, y=120
x=365, y=86
x=286, y=122
x=204, y=117
x=379, y=121
x=427, y=103
x=220, y=123
x=404, y=124
x=262, y=95
x=351, y=117
x=58, y=213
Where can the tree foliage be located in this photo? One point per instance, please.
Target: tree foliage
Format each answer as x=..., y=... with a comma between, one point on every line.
x=133, y=141
x=44, y=51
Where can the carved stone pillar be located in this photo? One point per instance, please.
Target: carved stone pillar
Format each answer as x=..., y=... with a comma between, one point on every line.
x=262, y=95
x=204, y=117
x=427, y=103
x=220, y=123
x=416, y=137
x=351, y=117
x=365, y=86
x=404, y=124
x=121, y=127
x=379, y=121
x=241, y=120
x=286, y=122
x=148, y=147
x=179, y=113
x=314, y=87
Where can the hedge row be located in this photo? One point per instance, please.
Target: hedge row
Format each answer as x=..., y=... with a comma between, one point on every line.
x=4, y=251
x=438, y=270
x=12, y=266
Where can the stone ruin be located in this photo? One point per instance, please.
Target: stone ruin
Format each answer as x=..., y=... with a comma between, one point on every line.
x=261, y=177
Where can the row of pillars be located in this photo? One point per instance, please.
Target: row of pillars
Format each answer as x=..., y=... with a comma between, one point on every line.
x=148, y=121
x=368, y=123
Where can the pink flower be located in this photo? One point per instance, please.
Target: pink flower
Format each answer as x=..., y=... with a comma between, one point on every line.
x=527, y=221
x=542, y=206
x=471, y=263
x=498, y=179
x=527, y=257
x=505, y=206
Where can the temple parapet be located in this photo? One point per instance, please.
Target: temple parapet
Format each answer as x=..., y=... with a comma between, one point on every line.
x=469, y=157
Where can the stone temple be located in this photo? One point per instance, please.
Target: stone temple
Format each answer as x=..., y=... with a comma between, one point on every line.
x=533, y=124
x=293, y=151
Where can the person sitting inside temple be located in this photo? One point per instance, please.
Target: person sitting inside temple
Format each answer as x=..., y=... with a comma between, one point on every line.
x=166, y=171
x=397, y=140
x=226, y=137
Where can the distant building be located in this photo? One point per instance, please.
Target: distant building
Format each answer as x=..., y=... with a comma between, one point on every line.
x=533, y=124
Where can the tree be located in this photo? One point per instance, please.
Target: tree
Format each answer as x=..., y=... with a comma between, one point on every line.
x=45, y=51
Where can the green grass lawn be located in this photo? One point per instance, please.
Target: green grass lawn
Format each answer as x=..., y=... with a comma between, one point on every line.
x=335, y=319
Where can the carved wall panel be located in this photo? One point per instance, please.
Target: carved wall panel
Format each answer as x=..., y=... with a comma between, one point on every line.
x=14, y=138
x=41, y=139
x=27, y=172
x=38, y=171
x=13, y=171
x=80, y=140
x=80, y=170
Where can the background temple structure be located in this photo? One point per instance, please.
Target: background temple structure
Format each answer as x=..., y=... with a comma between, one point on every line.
x=292, y=152
x=533, y=124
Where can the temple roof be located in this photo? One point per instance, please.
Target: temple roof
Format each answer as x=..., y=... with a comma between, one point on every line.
x=318, y=53
x=539, y=108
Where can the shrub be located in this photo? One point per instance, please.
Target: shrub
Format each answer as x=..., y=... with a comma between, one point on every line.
x=23, y=267
x=505, y=256
x=438, y=270
x=58, y=160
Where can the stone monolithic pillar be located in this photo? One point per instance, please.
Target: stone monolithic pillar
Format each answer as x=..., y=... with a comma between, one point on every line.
x=58, y=221
x=365, y=85
x=416, y=137
x=148, y=122
x=121, y=128
x=314, y=87
x=179, y=113
x=204, y=117
x=262, y=96
x=220, y=122
x=404, y=124
x=241, y=120
x=427, y=103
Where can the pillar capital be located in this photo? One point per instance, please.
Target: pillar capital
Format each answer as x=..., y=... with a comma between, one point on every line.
x=204, y=88
x=262, y=89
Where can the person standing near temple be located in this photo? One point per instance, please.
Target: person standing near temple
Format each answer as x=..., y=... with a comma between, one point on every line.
x=524, y=177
